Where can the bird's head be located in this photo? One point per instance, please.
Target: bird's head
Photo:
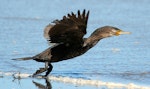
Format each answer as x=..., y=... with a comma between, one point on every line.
x=103, y=32
x=108, y=31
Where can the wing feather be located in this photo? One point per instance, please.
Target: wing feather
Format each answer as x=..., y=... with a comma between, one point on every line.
x=71, y=29
x=46, y=31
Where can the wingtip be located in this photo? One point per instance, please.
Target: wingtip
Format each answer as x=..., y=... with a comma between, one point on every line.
x=88, y=13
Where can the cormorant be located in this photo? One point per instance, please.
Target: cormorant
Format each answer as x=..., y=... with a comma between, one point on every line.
x=67, y=35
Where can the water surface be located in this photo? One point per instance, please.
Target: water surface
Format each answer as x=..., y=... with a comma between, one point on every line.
x=123, y=59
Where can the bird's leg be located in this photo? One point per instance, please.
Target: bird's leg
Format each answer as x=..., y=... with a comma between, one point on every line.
x=49, y=69
x=41, y=69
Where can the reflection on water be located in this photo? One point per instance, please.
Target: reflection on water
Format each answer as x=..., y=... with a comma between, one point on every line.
x=42, y=86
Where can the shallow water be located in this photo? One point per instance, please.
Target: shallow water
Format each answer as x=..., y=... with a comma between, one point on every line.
x=123, y=59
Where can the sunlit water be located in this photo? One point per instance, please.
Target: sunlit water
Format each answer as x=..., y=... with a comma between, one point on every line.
x=122, y=59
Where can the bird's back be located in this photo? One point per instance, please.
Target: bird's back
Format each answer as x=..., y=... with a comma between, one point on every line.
x=59, y=53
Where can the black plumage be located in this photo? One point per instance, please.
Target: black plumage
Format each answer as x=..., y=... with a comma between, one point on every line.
x=67, y=35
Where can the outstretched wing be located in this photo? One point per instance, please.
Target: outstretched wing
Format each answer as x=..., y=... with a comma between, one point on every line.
x=69, y=30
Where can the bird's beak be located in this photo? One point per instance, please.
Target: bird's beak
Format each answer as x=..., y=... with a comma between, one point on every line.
x=120, y=32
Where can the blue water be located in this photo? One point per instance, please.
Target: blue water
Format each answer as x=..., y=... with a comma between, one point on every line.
x=121, y=59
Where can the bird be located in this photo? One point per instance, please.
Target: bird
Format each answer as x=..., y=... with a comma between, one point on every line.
x=67, y=37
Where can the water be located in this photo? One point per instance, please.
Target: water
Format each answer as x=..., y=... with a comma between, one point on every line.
x=123, y=59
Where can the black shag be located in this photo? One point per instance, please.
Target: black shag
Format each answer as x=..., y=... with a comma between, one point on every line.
x=67, y=35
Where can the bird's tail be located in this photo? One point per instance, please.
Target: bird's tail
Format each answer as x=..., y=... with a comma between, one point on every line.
x=41, y=57
x=23, y=59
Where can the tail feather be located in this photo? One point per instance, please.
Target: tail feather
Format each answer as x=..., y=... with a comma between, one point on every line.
x=41, y=57
x=25, y=58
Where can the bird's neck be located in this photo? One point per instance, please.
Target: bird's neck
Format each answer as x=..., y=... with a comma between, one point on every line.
x=91, y=41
